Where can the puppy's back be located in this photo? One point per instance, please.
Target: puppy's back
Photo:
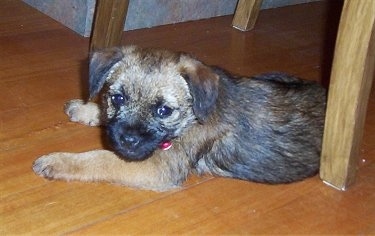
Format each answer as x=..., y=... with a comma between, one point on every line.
x=277, y=125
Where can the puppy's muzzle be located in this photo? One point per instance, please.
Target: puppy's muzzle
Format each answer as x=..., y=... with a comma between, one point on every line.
x=131, y=139
x=132, y=142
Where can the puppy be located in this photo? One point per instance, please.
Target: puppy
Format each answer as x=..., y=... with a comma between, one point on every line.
x=168, y=114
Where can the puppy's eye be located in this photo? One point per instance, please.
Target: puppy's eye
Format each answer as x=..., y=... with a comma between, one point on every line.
x=164, y=111
x=117, y=100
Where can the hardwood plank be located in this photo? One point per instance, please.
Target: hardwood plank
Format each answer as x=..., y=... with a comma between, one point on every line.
x=227, y=203
x=233, y=207
x=48, y=206
x=27, y=20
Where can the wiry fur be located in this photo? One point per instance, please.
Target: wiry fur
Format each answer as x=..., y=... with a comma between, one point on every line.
x=266, y=128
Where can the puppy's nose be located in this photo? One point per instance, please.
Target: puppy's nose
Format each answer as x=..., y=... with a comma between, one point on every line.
x=130, y=141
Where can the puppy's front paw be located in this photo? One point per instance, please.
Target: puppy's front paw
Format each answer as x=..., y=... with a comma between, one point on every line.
x=81, y=112
x=54, y=166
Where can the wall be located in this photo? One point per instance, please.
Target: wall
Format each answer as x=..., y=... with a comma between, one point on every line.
x=78, y=14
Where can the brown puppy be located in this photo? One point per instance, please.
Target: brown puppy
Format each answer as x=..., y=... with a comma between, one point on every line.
x=167, y=114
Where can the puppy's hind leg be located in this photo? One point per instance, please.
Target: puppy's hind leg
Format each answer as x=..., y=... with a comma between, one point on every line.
x=82, y=112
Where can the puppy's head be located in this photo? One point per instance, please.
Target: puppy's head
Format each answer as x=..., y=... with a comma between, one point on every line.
x=150, y=96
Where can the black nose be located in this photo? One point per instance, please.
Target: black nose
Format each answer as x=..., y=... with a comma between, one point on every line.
x=130, y=140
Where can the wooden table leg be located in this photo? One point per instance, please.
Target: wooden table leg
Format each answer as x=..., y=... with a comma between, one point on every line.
x=351, y=80
x=246, y=14
x=108, y=23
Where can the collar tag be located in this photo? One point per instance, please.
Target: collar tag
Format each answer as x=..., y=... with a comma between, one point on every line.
x=166, y=145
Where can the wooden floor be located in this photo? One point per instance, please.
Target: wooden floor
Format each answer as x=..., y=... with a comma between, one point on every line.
x=43, y=64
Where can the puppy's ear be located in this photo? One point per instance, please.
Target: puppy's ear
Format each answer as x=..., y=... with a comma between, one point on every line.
x=100, y=64
x=204, y=87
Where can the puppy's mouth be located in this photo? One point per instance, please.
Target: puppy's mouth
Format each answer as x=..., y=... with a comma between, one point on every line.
x=135, y=143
